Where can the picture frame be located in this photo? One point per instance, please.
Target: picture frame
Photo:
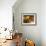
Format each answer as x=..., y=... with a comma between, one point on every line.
x=29, y=19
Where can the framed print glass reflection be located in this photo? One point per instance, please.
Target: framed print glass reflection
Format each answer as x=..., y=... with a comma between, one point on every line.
x=29, y=19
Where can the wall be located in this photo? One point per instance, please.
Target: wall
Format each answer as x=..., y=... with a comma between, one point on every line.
x=43, y=22
x=29, y=32
x=6, y=16
x=6, y=13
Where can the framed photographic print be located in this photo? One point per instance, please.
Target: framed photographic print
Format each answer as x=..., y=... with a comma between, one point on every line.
x=29, y=19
